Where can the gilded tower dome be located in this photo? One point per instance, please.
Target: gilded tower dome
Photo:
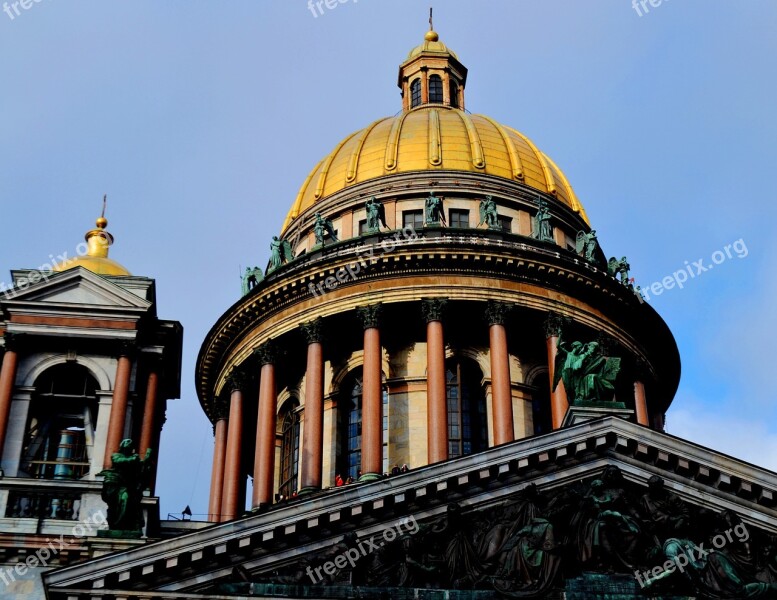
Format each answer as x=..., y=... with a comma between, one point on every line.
x=431, y=43
x=95, y=259
x=433, y=133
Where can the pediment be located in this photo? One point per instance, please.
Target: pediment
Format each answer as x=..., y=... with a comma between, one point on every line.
x=77, y=287
x=535, y=491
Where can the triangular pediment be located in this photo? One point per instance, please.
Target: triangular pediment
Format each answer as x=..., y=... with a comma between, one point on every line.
x=76, y=287
x=539, y=488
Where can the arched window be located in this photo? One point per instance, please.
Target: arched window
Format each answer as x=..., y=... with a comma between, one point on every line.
x=435, y=89
x=59, y=437
x=454, y=94
x=467, y=426
x=289, y=449
x=350, y=458
x=415, y=93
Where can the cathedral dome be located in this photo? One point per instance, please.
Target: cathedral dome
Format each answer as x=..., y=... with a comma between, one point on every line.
x=432, y=272
x=433, y=133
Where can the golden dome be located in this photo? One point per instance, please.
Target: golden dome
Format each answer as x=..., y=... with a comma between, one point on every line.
x=96, y=258
x=98, y=266
x=434, y=138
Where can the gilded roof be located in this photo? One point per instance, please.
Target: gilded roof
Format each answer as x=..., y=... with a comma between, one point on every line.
x=434, y=138
x=431, y=44
x=96, y=260
x=95, y=264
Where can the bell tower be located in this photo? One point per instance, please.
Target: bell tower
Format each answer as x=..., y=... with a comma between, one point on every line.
x=85, y=364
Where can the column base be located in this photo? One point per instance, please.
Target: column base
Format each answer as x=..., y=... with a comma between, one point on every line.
x=370, y=477
x=595, y=410
x=308, y=490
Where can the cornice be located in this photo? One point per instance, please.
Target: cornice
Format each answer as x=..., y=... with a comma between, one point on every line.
x=504, y=259
x=697, y=475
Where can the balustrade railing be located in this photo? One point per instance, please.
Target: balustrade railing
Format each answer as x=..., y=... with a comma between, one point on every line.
x=43, y=505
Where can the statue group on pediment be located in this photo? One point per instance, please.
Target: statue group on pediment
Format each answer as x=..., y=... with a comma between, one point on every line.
x=528, y=545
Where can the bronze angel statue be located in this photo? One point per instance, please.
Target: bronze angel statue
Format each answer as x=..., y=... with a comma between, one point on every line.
x=250, y=279
x=588, y=375
x=488, y=213
x=587, y=245
x=619, y=268
x=376, y=215
x=280, y=253
x=322, y=226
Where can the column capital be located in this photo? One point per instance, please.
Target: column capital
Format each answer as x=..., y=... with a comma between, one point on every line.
x=641, y=369
x=433, y=308
x=267, y=353
x=370, y=315
x=313, y=330
x=12, y=341
x=236, y=381
x=553, y=325
x=220, y=411
x=153, y=361
x=127, y=349
x=496, y=312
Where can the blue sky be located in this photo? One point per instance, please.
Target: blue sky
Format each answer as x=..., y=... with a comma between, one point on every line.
x=201, y=120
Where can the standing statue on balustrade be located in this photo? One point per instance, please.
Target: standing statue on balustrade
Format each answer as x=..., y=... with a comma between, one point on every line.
x=280, y=253
x=250, y=279
x=435, y=212
x=488, y=213
x=542, y=228
x=587, y=246
x=123, y=486
x=376, y=215
x=619, y=268
x=324, y=227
